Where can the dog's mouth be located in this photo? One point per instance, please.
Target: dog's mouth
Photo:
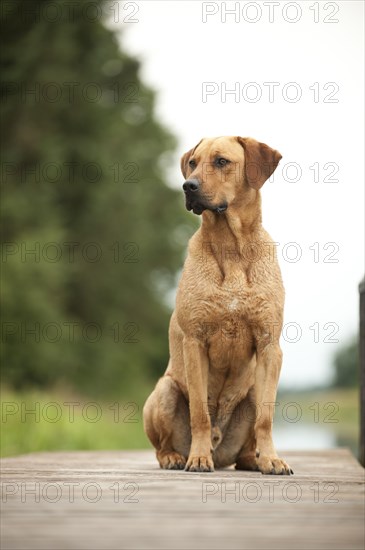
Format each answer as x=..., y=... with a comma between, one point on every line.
x=198, y=207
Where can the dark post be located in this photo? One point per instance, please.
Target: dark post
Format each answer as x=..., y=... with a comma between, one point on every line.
x=362, y=371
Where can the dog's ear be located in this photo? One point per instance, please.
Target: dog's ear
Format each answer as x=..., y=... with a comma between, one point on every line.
x=260, y=161
x=184, y=163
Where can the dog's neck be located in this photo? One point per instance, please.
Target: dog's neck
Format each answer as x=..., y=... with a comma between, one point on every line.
x=228, y=237
x=238, y=224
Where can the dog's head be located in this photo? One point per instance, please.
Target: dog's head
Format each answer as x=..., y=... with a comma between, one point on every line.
x=225, y=171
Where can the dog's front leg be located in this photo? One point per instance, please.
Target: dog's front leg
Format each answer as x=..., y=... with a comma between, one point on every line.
x=269, y=359
x=196, y=369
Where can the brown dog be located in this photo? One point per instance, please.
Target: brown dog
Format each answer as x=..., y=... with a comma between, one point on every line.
x=214, y=405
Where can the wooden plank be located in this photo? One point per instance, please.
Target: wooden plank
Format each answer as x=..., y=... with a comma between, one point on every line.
x=122, y=499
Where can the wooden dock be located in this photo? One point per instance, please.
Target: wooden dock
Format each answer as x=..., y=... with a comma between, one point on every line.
x=123, y=500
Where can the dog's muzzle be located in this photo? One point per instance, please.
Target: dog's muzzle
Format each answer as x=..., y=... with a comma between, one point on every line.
x=195, y=202
x=191, y=186
x=192, y=198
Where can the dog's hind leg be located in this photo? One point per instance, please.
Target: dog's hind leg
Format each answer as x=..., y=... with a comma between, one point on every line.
x=166, y=423
x=239, y=442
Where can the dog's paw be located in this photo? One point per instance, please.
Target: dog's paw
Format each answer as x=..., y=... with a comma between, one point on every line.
x=273, y=465
x=171, y=461
x=216, y=437
x=199, y=464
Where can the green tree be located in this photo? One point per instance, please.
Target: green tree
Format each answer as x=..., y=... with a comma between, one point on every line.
x=346, y=365
x=92, y=235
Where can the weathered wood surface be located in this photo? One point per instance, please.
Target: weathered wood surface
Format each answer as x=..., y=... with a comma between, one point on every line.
x=47, y=502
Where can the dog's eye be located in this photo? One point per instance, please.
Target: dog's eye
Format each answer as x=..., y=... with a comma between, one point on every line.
x=221, y=161
x=192, y=163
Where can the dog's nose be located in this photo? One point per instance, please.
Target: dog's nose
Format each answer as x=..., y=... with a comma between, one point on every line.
x=191, y=185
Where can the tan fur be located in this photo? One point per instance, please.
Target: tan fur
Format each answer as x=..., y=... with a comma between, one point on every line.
x=214, y=405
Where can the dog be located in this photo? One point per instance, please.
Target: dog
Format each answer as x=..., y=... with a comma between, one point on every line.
x=214, y=405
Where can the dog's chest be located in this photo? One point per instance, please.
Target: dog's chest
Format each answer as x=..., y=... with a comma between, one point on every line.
x=229, y=295
x=222, y=316
x=224, y=301
x=233, y=305
x=228, y=330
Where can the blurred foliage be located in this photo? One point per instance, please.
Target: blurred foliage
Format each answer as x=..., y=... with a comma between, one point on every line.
x=35, y=420
x=347, y=365
x=84, y=187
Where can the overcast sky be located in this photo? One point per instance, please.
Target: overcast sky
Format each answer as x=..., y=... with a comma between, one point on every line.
x=298, y=83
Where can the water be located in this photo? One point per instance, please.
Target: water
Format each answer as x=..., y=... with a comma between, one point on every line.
x=305, y=436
